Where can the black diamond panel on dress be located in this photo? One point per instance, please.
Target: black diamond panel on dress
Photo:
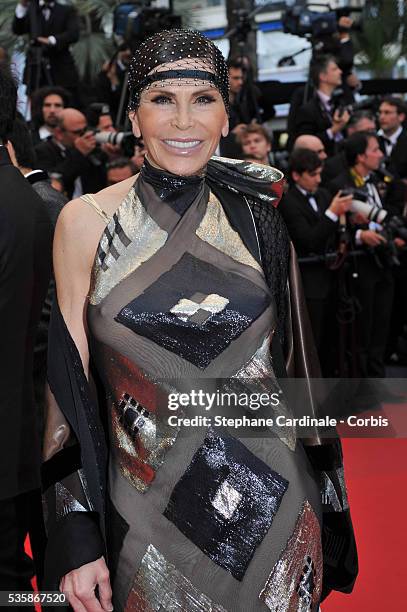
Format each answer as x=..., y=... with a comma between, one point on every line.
x=197, y=339
x=226, y=501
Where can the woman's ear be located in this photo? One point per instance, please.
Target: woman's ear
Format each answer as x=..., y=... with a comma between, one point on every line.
x=225, y=128
x=135, y=124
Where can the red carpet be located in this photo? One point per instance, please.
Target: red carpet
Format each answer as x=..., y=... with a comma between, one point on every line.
x=376, y=471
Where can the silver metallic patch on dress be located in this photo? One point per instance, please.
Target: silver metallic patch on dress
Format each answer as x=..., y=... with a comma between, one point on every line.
x=212, y=304
x=84, y=483
x=216, y=230
x=295, y=582
x=159, y=586
x=144, y=239
x=65, y=502
x=329, y=494
x=258, y=170
x=341, y=477
x=257, y=376
x=226, y=499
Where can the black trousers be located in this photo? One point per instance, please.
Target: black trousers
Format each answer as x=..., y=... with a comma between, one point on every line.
x=374, y=289
x=19, y=516
x=321, y=312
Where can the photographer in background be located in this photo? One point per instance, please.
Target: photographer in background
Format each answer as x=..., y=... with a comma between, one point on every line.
x=46, y=105
x=373, y=284
x=318, y=116
x=100, y=120
x=73, y=154
x=340, y=45
x=393, y=136
x=360, y=121
x=242, y=109
x=311, y=215
x=110, y=80
x=52, y=28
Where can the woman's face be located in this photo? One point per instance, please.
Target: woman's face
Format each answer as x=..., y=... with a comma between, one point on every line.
x=180, y=125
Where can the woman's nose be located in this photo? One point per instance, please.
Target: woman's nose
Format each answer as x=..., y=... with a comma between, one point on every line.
x=183, y=117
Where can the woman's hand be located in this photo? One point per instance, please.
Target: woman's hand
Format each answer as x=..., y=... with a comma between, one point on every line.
x=80, y=584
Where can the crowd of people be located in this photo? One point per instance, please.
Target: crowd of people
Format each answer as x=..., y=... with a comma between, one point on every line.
x=353, y=269
x=330, y=155
x=344, y=207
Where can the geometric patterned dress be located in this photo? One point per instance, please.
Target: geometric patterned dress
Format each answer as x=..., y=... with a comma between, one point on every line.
x=200, y=518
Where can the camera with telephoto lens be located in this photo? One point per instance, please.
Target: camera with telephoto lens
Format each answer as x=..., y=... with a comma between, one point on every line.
x=393, y=226
x=126, y=140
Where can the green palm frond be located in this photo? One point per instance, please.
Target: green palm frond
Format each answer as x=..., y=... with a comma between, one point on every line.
x=90, y=53
x=101, y=9
x=7, y=39
x=384, y=36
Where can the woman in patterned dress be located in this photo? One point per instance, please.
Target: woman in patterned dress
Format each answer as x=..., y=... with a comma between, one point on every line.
x=189, y=282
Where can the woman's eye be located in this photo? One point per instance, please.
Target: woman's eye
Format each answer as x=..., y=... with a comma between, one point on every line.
x=205, y=99
x=161, y=100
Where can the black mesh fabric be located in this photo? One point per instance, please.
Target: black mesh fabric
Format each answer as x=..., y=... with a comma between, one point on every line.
x=275, y=254
x=176, y=57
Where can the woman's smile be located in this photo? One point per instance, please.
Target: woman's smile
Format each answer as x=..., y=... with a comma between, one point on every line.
x=183, y=146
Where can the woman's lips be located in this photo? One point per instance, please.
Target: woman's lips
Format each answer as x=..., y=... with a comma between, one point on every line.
x=182, y=147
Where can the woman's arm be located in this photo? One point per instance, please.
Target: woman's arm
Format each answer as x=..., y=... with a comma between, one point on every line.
x=77, y=234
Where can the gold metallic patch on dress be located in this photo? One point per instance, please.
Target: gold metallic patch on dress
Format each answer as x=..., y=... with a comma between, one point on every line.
x=295, y=582
x=257, y=376
x=159, y=586
x=216, y=230
x=142, y=239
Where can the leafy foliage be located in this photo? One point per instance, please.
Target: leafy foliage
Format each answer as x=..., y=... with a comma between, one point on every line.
x=384, y=36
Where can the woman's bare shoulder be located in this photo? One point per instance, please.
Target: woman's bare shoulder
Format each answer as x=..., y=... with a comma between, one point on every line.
x=81, y=226
x=109, y=199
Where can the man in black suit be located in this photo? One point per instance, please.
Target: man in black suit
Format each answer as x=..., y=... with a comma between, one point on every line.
x=52, y=28
x=393, y=142
x=73, y=154
x=25, y=254
x=317, y=116
x=373, y=279
x=360, y=121
x=311, y=216
x=392, y=135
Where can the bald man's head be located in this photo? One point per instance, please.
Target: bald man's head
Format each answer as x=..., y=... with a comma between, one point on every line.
x=312, y=143
x=71, y=124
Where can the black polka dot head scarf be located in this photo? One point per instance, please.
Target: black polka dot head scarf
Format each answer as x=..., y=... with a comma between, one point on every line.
x=177, y=57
